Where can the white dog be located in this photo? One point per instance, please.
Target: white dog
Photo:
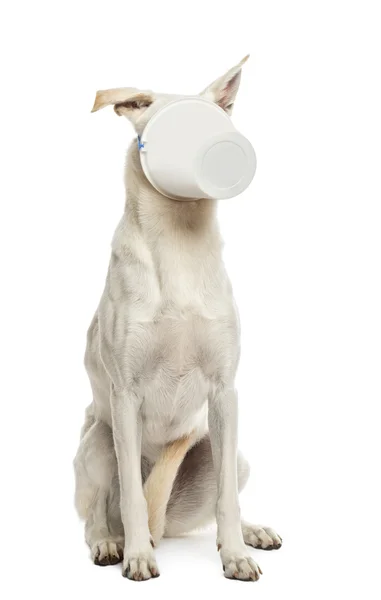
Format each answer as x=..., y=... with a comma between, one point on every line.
x=158, y=451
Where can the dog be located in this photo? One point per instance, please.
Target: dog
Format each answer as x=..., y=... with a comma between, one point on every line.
x=158, y=450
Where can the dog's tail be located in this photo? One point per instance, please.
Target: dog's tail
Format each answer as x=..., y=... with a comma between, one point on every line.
x=158, y=487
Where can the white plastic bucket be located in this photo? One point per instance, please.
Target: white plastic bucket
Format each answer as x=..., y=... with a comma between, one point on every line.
x=190, y=149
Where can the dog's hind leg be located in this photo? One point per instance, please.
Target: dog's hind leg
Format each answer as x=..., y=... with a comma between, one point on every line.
x=193, y=500
x=97, y=494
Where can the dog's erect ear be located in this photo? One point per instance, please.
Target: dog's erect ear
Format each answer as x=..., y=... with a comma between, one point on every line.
x=224, y=90
x=129, y=102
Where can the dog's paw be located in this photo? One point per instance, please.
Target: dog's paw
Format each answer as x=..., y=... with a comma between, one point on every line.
x=140, y=566
x=260, y=537
x=107, y=552
x=237, y=565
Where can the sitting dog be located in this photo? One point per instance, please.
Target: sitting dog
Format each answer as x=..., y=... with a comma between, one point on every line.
x=158, y=451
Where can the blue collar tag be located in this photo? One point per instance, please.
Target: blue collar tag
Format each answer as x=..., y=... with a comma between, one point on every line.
x=140, y=144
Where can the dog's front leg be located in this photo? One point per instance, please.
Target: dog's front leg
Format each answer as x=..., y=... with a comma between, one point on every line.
x=139, y=561
x=236, y=562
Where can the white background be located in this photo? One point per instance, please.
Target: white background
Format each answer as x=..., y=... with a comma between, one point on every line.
x=308, y=291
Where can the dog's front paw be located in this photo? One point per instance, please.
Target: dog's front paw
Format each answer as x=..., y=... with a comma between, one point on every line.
x=264, y=538
x=107, y=552
x=140, y=566
x=237, y=565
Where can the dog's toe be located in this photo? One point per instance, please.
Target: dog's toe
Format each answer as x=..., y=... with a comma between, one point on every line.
x=238, y=566
x=107, y=553
x=263, y=538
x=140, y=567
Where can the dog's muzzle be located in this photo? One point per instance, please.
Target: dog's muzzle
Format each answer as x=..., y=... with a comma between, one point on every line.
x=190, y=149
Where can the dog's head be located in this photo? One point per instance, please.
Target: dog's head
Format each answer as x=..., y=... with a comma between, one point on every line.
x=139, y=105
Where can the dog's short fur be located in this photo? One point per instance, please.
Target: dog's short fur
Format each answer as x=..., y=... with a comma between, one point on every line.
x=158, y=451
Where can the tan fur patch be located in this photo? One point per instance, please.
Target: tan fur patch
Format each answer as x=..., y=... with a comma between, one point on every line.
x=121, y=96
x=158, y=487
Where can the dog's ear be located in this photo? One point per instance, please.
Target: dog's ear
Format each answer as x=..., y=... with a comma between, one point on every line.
x=129, y=102
x=224, y=89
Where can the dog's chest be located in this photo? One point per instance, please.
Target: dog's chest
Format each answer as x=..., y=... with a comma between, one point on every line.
x=173, y=329
x=173, y=363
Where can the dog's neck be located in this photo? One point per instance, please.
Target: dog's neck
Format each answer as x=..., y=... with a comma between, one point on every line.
x=157, y=215
x=186, y=227
x=178, y=242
